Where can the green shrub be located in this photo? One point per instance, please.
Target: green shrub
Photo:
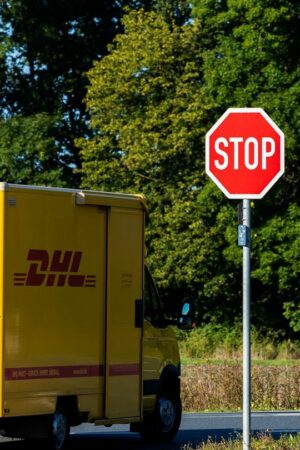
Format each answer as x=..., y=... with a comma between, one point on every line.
x=215, y=341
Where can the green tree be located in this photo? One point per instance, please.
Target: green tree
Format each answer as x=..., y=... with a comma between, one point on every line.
x=251, y=57
x=149, y=118
x=277, y=269
x=28, y=153
x=47, y=47
x=177, y=11
x=152, y=99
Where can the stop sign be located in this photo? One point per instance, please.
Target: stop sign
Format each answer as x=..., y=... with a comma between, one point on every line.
x=245, y=153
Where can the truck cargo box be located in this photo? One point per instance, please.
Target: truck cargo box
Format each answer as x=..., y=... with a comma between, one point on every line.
x=68, y=325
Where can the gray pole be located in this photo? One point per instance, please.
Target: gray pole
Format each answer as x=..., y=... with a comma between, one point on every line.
x=246, y=329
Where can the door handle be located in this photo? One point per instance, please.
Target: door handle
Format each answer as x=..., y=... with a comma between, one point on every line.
x=139, y=313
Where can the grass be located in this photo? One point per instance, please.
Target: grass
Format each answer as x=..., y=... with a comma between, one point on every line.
x=185, y=360
x=216, y=387
x=219, y=342
x=212, y=371
x=263, y=442
x=212, y=379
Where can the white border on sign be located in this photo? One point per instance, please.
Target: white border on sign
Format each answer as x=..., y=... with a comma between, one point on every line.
x=207, y=152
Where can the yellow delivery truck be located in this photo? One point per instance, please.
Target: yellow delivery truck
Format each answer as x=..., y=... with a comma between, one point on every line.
x=84, y=337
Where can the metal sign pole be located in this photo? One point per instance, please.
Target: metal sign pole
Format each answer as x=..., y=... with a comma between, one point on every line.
x=225, y=152
x=246, y=327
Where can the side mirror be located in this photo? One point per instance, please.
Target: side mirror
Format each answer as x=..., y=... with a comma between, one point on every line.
x=186, y=320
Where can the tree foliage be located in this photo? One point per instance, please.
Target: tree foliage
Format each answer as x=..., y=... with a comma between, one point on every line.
x=150, y=117
x=46, y=48
x=28, y=153
x=153, y=98
x=252, y=58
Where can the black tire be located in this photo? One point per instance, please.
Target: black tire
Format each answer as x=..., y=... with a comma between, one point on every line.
x=59, y=431
x=163, y=424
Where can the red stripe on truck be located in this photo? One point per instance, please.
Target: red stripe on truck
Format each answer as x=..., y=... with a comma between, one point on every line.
x=32, y=373
x=124, y=369
x=38, y=373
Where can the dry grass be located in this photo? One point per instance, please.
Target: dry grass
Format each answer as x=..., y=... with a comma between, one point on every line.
x=261, y=443
x=218, y=387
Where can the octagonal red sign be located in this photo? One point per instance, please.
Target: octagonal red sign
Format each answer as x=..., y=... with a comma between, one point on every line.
x=245, y=153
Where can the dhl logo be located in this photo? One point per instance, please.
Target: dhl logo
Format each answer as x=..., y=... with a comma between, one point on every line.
x=61, y=269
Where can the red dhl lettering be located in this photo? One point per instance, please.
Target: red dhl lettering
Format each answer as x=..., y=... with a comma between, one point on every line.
x=59, y=270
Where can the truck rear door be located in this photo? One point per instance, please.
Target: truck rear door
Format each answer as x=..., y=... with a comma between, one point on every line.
x=123, y=368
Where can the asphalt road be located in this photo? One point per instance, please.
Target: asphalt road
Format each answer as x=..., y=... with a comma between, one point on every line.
x=195, y=428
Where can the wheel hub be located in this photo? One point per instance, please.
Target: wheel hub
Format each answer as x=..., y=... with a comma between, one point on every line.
x=167, y=413
x=60, y=430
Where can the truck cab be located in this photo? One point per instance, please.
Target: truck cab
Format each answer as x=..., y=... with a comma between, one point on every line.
x=161, y=370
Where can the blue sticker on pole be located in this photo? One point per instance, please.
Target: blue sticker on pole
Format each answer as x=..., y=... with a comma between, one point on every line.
x=243, y=236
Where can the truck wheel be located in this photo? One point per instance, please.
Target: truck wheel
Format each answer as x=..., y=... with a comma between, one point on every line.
x=169, y=416
x=60, y=431
x=164, y=422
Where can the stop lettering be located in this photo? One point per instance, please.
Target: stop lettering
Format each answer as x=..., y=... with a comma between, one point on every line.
x=245, y=153
x=251, y=152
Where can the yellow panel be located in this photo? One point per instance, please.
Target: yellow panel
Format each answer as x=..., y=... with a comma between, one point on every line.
x=29, y=406
x=125, y=284
x=55, y=284
x=123, y=394
x=160, y=348
x=92, y=403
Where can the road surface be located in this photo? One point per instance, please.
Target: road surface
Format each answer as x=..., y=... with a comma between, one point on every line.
x=195, y=428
